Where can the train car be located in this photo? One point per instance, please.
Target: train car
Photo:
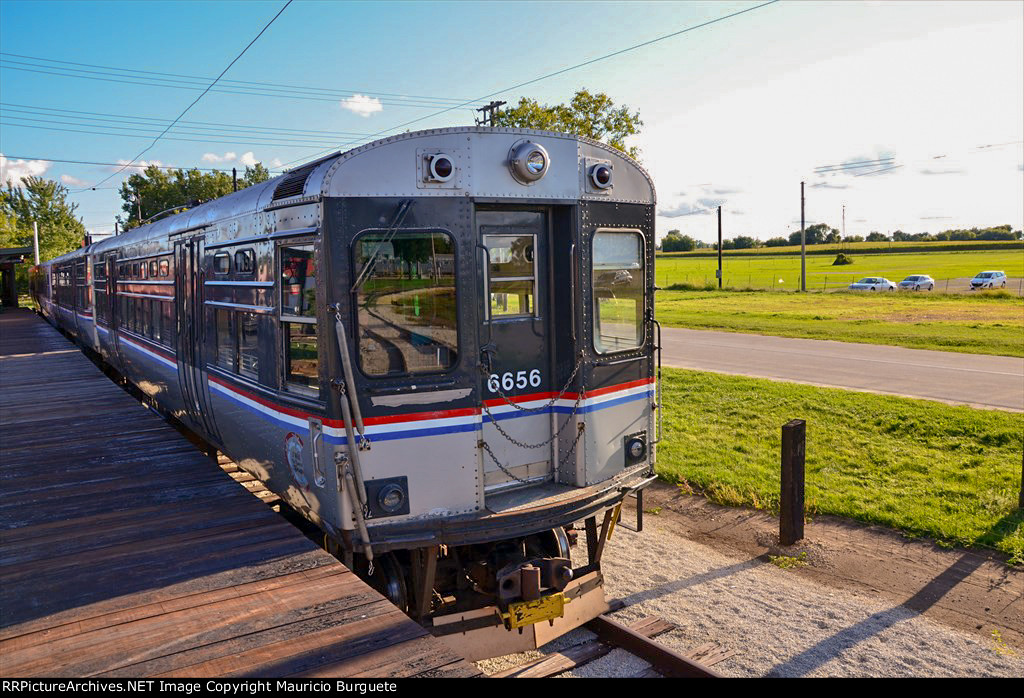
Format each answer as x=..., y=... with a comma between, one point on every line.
x=440, y=348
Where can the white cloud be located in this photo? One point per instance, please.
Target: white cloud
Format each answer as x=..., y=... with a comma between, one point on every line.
x=362, y=105
x=248, y=159
x=213, y=157
x=17, y=170
x=73, y=181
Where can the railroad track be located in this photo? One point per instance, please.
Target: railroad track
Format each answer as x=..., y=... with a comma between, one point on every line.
x=637, y=638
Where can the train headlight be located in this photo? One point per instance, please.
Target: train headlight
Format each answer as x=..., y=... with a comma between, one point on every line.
x=601, y=176
x=390, y=498
x=635, y=447
x=529, y=162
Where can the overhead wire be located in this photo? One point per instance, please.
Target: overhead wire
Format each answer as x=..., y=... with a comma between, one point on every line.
x=191, y=79
x=196, y=100
x=555, y=73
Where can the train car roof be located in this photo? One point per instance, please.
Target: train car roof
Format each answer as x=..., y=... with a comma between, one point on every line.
x=380, y=169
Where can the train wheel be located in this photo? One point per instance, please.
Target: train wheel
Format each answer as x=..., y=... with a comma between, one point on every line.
x=387, y=578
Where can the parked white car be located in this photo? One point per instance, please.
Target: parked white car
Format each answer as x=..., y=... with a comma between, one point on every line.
x=873, y=283
x=989, y=279
x=917, y=282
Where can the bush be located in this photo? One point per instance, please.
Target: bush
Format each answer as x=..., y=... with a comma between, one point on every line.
x=842, y=259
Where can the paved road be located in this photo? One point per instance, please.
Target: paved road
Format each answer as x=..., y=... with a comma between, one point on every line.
x=969, y=379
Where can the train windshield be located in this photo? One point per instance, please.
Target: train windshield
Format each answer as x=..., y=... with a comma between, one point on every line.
x=408, y=317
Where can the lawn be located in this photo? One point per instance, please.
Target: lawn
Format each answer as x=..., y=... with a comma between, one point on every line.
x=926, y=468
x=782, y=272
x=976, y=324
x=887, y=247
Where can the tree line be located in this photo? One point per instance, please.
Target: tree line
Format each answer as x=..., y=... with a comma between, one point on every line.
x=45, y=202
x=822, y=234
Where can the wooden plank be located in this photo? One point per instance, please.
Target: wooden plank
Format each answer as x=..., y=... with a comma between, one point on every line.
x=666, y=661
x=126, y=551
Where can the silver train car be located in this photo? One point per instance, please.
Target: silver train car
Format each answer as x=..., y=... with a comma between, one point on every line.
x=440, y=348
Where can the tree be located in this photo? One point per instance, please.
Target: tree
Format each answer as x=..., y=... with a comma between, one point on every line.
x=254, y=175
x=745, y=242
x=776, y=242
x=178, y=190
x=675, y=242
x=43, y=201
x=875, y=236
x=589, y=115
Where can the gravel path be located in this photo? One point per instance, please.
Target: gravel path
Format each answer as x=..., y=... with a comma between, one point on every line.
x=780, y=624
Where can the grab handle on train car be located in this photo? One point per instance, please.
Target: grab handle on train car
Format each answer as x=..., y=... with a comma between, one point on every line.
x=346, y=364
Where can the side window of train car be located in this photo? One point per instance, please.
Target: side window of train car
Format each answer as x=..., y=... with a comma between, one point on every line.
x=407, y=313
x=245, y=262
x=617, y=280
x=297, y=276
x=221, y=263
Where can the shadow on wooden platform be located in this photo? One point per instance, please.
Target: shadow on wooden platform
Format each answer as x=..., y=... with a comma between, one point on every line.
x=126, y=551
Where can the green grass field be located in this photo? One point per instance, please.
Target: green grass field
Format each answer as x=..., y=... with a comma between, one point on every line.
x=975, y=324
x=782, y=272
x=866, y=247
x=951, y=473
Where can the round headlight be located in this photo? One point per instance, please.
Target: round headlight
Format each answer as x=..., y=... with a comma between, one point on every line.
x=390, y=498
x=529, y=162
x=636, y=449
x=601, y=176
x=441, y=168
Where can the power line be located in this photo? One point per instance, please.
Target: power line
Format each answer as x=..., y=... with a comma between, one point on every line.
x=235, y=142
x=308, y=142
x=196, y=100
x=43, y=111
x=564, y=70
x=302, y=89
x=393, y=101
x=112, y=164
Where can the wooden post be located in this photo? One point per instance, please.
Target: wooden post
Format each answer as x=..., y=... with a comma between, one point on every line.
x=791, y=506
x=1020, y=500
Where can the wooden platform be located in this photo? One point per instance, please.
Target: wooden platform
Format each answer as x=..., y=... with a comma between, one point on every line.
x=124, y=551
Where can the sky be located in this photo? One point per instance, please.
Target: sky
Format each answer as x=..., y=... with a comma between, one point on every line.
x=736, y=114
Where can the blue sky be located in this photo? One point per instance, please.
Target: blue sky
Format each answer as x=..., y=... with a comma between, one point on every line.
x=735, y=114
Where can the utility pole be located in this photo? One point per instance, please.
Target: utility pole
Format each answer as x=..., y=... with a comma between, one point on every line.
x=138, y=199
x=35, y=239
x=117, y=222
x=803, y=243
x=234, y=179
x=719, y=248
x=488, y=111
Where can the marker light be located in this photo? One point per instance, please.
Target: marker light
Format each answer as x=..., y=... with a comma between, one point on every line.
x=441, y=168
x=601, y=176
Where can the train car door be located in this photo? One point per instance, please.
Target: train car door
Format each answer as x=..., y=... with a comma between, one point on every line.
x=191, y=354
x=516, y=347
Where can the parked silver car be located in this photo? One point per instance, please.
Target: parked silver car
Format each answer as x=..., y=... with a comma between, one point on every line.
x=989, y=279
x=873, y=283
x=917, y=282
